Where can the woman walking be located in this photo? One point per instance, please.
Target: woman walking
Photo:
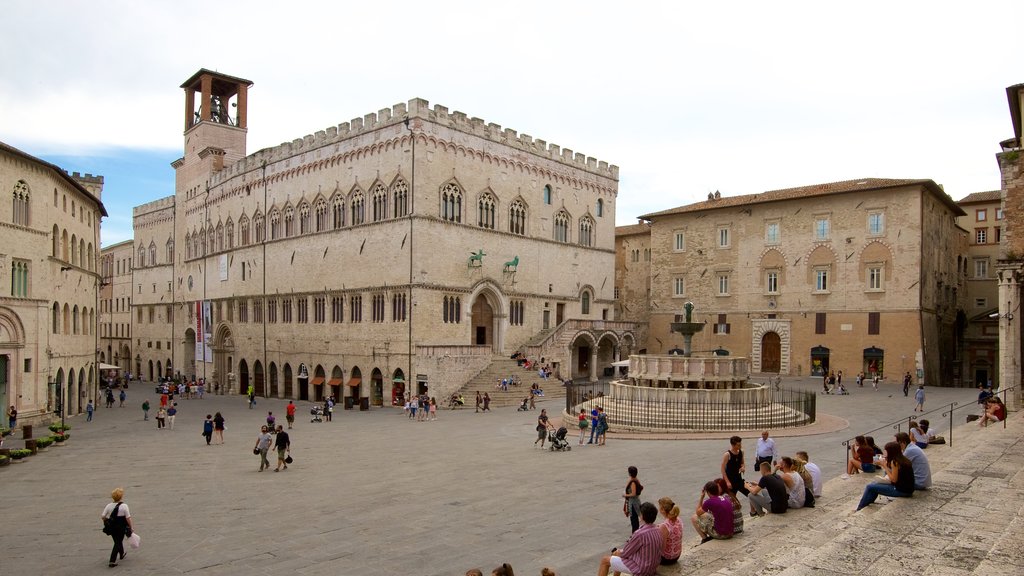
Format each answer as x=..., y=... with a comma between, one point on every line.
x=218, y=427
x=583, y=425
x=117, y=522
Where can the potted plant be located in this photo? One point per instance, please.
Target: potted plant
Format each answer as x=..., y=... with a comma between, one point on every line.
x=20, y=454
x=5, y=431
x=44, y=442
x=61, y=437
x=4, y=460
x=58, y=427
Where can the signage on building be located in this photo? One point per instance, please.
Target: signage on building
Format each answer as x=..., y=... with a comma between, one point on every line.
x=303, y=372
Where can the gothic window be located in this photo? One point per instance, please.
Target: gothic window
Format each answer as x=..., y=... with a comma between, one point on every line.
x=451, y=202
x=562, y=226
x=152, y=253
x=451, y=312
x=355, y=308
x=142, y=256
x=55, y=318
x=319, y=310
x=358, y=208
x=586, y=231
x=516, y=312
x=243, y=230
x=337, y=309
x=338, y=212
x=289, y=222
x=19, y=278
x=320, y=211
x=275, y=225
x=286, y=310
x=259, y=227
x=229, y=234
x=302, y=308
x=485, y=210
x=400, y=196
x=585, y=303
x=398, y=307
x=220, y=236
x=21, y=203
x=517, y=217
x=377, y=312
x=380, y=203
x=305, y=224
x=188, y=246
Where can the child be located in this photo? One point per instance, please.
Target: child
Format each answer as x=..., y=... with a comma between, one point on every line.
x=919, y=396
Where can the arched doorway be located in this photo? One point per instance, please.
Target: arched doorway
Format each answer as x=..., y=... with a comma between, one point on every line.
x=303, y=382
x=487, y=316
x=398, y=388
x=70, y=394
x=771, y=353
x=582, y=351
x=289, y=389
x=353, y=387
x=606, y=346
x=56, y=391
x=483, y=322
x=151, y=371
x=874, y=362
x=376, y=388
x=188, y=360
x=83, y=390
x=319, y=376
x=223, y=348
x=126, y=359
x=819, y=360
x=243, y=377
x=160, y=371
x=336, y=381
x=275, y=389
x=259, y=385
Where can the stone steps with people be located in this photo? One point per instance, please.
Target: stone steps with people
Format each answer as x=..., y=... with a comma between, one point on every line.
x=504, y=367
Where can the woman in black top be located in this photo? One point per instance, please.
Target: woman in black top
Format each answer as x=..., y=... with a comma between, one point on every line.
x=900, y=474
x=733, y=467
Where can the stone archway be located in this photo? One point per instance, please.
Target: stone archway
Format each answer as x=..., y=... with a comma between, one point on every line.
x=582, y=351
x=12, y=342
x=223, y=348
x=488, y=316
x=771, y=352
x=781, y=328
x=188, y=363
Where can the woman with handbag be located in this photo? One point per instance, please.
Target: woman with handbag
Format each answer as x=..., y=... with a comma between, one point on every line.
x=117, y=522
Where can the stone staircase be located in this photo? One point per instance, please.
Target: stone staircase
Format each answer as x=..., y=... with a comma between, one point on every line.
x=504, y=367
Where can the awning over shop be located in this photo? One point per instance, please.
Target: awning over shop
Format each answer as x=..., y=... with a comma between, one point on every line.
x=354, y=381
x=398, y=379
x=108, y=367
x=317, y=381
x=335, y=381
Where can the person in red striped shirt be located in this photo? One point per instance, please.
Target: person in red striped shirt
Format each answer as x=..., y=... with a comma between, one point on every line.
x=642, y=553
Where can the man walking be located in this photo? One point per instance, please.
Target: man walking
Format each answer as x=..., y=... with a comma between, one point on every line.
x=289, y=414
x=145, y=410
x=594, y=414
x=906, y=384
x=283, y=444
x=766, y=451
x=88, y=411
x=123, y=396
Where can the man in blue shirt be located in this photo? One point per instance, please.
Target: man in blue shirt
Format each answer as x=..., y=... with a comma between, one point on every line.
x=918, y=461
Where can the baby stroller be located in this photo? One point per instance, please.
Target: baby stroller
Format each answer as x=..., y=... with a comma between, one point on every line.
x=317, y=412
x=558, y=441
x=524, y=405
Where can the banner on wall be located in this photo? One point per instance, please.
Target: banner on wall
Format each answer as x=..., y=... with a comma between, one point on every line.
x=204, y=328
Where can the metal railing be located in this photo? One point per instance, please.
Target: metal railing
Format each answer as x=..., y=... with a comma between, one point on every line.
x=952, y=409
x=783, y=408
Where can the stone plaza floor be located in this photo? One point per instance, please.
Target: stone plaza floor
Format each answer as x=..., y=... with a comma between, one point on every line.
x=373, y=492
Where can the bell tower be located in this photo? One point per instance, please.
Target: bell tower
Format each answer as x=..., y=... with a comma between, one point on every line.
x=215, y=122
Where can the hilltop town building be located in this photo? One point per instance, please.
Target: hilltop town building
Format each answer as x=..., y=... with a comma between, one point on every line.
x=405, y=249
x=1010, y=266
x=115, y=306
x=862, y=275
x=48, y=317
x=982, y=221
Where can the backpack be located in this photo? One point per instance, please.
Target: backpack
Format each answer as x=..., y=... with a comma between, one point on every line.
x=111, y=524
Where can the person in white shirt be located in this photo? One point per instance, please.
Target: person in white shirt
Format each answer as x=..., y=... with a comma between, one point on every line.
x=815, y=472
x=794, y=483
x=766, y=451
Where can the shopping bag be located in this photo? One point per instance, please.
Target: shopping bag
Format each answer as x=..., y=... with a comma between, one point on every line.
x=134, y=540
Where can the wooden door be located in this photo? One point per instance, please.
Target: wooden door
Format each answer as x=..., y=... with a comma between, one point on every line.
x=771, y=353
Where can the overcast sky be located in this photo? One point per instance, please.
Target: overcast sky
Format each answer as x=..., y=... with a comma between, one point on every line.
x=740, y=97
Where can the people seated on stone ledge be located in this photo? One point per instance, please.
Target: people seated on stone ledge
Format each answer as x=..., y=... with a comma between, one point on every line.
x=796, y=492
x=805, y=476
x=713, y=519
x=671, y=531
x=900, y=475
x=737, y=508
x=768, y=494
x=642, y=553
x=917, y=435
x=863, y=457
x=814, y=470
x=918, y=461
x=995, y=411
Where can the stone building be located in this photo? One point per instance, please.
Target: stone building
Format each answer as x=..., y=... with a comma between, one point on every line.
x=633, y=274
x=408, y=247
x=115, y=306
x=1010, y=267
x=982, y=221
x=855, y=276
x=48, y=337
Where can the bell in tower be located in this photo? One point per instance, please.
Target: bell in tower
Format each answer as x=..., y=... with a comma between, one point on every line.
x=219, y=94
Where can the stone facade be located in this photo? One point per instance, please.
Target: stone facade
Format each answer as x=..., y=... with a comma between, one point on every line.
x=347, y=253
x=853, y=276
x=1010, y=266
x=115, y=306
x=48, y=339
x=983, y=222
x=633, y=274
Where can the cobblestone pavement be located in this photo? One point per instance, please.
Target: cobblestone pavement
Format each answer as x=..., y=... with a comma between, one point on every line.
x=369, y=493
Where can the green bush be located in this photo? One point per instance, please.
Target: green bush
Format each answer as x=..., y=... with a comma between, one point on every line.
x=4, y=459
x=44, y=441
x=20, y=453
x=61, y=436
x=5, y=431
x=58, y=427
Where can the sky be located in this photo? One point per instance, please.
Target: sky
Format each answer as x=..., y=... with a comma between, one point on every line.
x=686, y=98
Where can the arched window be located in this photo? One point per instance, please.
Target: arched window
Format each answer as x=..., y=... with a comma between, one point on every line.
x=74, y=249
x=259, y=227
x=275, y=224
x=547, y=195
x=585, y=302
x=600, y=207
x=81, y=252
x=56, y=241
x=211, y=238
x=21, y=203
x=304, y=220
x=338, y=212
x=289, y=222
x=170, y=250
x=92, y=257
x=380, y=203
x=485, y=210
x=188, y=246
x=517, y=217
x=320, y=210
x=451, y=202
x=229, y=234
x=152, y=253
x=243, y=230
x=586, y=231
x=74, y=320
x=142, y=257
x=562, y=226
x=358, y=208
x=64, y=246
x=67, y=319
x=220, y=236
x=56, y=318
x=400, y=195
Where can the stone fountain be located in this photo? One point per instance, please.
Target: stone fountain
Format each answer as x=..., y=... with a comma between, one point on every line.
x=687, y=329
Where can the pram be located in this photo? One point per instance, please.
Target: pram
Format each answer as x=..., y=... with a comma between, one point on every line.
x=524, y=405
x=317, y=412
x=558, y=441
